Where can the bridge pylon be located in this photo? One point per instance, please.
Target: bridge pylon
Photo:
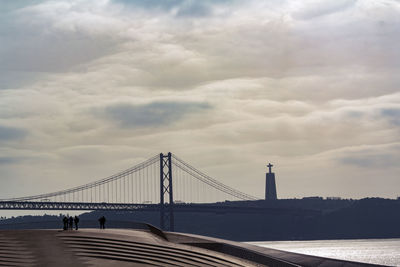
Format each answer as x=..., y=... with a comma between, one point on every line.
x=166, y=209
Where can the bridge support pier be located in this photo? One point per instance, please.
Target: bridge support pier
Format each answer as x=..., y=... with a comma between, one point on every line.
x=166, y=208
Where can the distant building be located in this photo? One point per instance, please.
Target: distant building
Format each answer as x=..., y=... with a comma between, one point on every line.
x=313, y=198
x=270, y=185
x=333, y=198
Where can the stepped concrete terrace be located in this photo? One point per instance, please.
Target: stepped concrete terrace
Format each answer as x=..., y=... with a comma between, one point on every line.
x=148, y=246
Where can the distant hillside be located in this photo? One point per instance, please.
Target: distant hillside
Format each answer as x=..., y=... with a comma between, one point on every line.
x=288, y=219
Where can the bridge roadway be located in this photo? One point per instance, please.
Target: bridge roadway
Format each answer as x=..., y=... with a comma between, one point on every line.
x=178, y=207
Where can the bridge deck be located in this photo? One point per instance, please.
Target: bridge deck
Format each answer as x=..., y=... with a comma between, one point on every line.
x=181, y=207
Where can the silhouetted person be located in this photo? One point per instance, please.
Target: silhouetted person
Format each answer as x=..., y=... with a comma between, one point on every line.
x=76, y=221
x=65, y=221
x=102, y=222
x=70, y=222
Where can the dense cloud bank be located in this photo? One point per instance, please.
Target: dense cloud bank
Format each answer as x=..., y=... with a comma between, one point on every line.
x=89, y=88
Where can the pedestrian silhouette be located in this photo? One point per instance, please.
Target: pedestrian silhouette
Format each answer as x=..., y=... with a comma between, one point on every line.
x=65, y=221
x=102, y=222
x=76, y=221
x=71, y=223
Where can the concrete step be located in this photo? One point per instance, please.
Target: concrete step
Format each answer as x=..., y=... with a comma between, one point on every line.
x=14, y=253
x=178, y=252
x=134, y=253
x=194, y=258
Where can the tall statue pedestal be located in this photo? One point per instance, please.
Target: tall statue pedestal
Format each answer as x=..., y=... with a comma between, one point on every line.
x=270, y=186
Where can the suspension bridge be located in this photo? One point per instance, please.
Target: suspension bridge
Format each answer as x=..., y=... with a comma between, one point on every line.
x=163, y=183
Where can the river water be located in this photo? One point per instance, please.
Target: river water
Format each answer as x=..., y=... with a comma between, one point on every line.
x=377, y=251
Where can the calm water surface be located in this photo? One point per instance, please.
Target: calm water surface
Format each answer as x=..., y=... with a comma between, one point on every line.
x=377, y=251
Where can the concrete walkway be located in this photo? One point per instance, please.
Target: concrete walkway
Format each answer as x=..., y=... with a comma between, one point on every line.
x=150, y=247
x=110, y=247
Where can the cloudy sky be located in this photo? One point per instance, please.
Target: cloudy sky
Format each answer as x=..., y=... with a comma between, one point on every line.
x=88, y=88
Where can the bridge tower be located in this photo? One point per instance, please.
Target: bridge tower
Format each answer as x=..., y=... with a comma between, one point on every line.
x=270, y=185
x=166, y=208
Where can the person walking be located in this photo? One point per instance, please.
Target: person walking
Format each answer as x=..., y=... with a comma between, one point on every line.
x=76, y=221
x=71, y=223
x=65, y=222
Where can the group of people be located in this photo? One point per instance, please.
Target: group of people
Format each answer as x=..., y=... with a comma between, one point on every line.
x=69, y=222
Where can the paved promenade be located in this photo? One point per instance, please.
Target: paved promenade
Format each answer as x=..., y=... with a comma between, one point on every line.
x=110, y=247
x=144, y=247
